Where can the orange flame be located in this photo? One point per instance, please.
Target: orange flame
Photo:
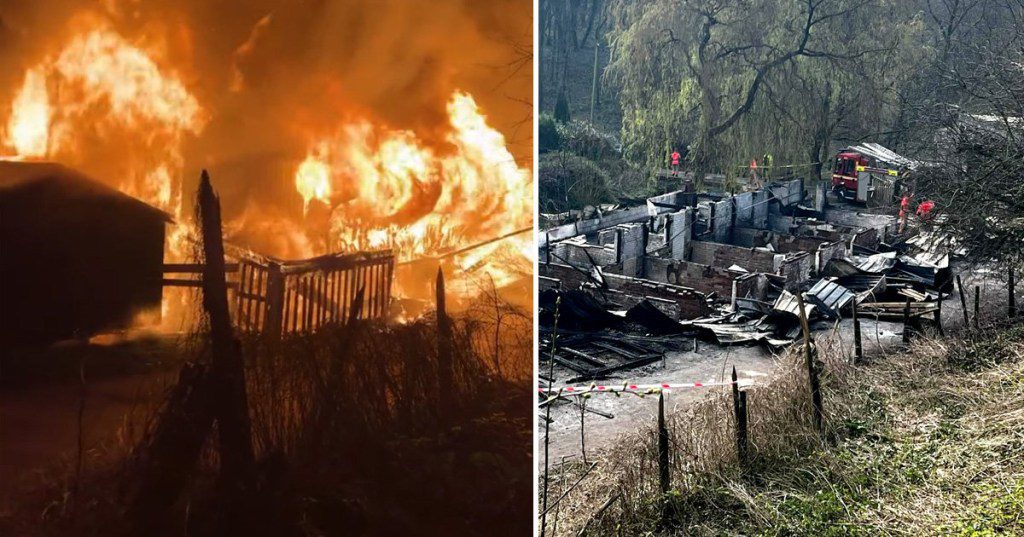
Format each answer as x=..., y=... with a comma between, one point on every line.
x=29, y=124
x=100, y=92
x=312, y=180
x=108, y=86
x=391, y=190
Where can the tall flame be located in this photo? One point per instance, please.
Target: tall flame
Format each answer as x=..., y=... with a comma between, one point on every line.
x=29, y=124
x=99, y=93
x=109, y=88
x=313, y=182
x=392, y=190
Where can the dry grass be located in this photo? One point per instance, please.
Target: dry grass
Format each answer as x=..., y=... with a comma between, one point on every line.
x=924, y=440
x=350, y=437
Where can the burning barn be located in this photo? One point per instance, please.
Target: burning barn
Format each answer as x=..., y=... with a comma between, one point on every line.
x=76, y=256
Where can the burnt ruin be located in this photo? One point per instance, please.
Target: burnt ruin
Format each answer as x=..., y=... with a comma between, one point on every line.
x=629, y=284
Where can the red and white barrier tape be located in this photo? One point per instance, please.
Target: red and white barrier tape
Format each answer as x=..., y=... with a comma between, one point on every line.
x=567, y=391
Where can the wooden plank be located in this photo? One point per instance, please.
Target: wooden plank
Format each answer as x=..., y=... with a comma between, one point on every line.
x=307, y=304
x=239, y=300
x=616, y=350
x=583, y=356
x=568, y=364
x=273, y=320
x=293, y=305
x=604, y=372
x=322, y=298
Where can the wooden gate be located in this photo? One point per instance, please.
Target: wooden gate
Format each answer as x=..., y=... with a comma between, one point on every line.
x=280, y=298
x=286, y=297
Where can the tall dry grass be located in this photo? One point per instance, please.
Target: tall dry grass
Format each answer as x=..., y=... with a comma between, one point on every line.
x=703, y=442
x=350, y=437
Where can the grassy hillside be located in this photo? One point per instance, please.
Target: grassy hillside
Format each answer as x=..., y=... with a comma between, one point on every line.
x=927, y=440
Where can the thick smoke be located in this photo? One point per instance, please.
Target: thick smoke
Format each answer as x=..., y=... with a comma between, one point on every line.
x=273, y=77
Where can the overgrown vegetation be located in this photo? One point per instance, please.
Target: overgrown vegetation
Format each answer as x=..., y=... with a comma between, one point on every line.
x=922, y=441
x=581, y=166
x=351, y=438
x=569, y=181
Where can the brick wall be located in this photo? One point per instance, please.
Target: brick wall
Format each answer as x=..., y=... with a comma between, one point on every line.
x=703, y=278
x=796, y=268
x=752, y=209
x=691, y=303
x=576, y=253
x=633, y=249
x=725, y=255
x=567, y=277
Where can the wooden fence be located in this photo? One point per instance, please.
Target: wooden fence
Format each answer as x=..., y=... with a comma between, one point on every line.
x=286, y=297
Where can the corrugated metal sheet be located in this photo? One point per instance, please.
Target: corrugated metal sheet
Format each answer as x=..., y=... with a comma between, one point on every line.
x=831, y=296
x=734, y=333
x=787, y=302
x=877, y=263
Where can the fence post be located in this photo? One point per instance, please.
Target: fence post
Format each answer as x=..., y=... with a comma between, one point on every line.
x=445, y=375
x=963, y=301
x=272, y=323
x=1012, y=299
x=858, y=349
x=237, y=460
x=739, y=406
x=938, y=315
x=664, y=478
x=812, y=371
x=906, y=322
x=977, y=306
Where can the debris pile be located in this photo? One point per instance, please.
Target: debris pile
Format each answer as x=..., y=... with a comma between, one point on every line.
x=630, y=284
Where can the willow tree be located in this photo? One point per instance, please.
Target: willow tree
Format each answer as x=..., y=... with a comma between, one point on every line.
x=693, y=71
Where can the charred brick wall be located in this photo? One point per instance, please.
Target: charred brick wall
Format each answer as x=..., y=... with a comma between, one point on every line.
x=691, y=303
x=725, y=256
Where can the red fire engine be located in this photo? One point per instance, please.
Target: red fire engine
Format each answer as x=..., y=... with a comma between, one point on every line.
x=861, y=169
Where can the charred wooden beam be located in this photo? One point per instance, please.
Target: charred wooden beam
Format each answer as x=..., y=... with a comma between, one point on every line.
x=605, y=371
x=583, y=356
x=612, y=348
x=231, y=404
